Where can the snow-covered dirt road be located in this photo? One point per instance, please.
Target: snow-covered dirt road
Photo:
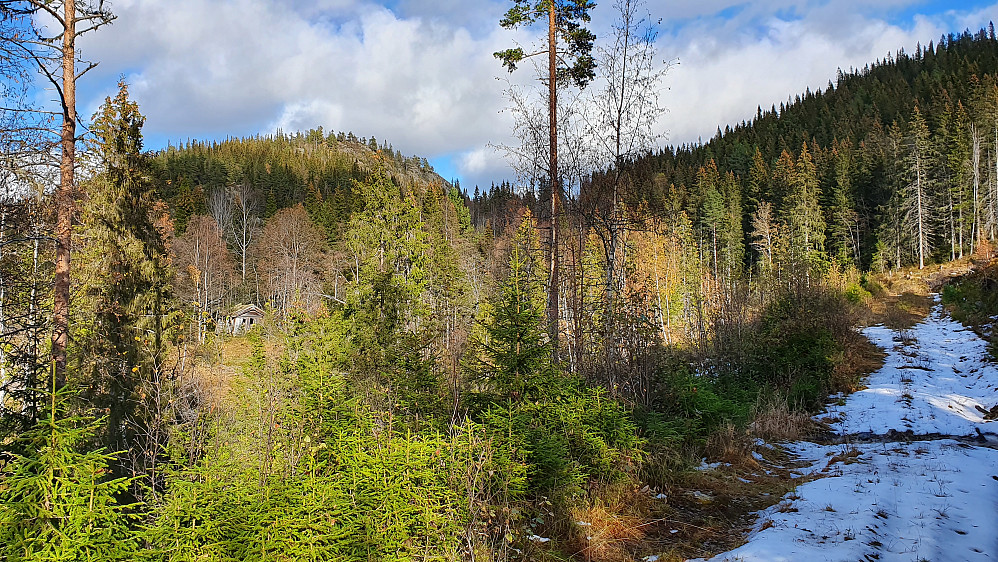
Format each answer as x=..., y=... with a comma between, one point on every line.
x=916, y=475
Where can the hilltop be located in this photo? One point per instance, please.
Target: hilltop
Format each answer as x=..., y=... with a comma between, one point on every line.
x=308, y=167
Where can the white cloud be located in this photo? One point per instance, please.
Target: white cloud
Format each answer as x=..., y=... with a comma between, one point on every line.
x=728, y=69
x=208, y=67
x=300, y=116
x=479, y=160
x=421, y=75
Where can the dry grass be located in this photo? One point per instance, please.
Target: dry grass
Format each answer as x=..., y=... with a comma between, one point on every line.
x=902, y=298
x=774, y=420
x=908, y=280
x=899, y=311
x=226, y=381
x=732, y=446
x=610, y=532
x=689, y=526
x=860, y=357
x=846, y=456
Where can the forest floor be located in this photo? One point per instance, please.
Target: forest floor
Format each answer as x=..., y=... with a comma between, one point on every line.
x=908, y=466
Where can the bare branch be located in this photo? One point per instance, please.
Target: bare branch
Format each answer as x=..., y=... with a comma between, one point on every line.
x=90, y=66
x=46, y=7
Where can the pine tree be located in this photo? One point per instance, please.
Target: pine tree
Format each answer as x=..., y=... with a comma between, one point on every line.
x=958, y=159
x=895, y=231
x=733, y=236
x=712, y=217
x=764, y=234
x=569, y=64
x=757, y=186
x=388, y=301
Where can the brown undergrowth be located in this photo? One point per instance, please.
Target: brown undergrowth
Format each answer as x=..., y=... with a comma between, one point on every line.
x=609, y=529
x=226, y=381
x=710, y=511
x=775, y=421
x=972, y=298
x=898, y=312
x=860, y=357
x=901, y=299
x=705, y=512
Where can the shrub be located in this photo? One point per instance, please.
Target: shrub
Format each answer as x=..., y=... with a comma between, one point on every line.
x=568, y=442
x=360, y=496
x=856, y=294
x=58, y=503
x=871, y=285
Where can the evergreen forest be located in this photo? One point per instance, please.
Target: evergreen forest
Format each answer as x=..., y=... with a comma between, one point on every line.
x=404, y=396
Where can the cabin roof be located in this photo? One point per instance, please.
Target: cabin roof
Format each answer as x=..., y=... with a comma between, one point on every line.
x=247, y=310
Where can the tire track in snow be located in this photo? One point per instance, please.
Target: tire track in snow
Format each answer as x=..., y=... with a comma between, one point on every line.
x=909, y=480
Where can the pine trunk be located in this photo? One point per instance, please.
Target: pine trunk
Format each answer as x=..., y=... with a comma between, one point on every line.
x=553, y=316
x=65, y=199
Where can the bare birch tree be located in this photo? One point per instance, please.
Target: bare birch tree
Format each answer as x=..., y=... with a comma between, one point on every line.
x=289, y=253
x=245, y=222
x=205, y=265
x=620, y=126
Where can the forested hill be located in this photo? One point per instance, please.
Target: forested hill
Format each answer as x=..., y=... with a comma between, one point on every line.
x=309, y=167
x=928, y=118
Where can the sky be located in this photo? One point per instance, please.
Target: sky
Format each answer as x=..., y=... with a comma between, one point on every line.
x=420, y=74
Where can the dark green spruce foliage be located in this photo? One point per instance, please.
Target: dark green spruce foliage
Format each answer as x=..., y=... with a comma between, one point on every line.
x=511, y=358
x=792, y=351
x=568, y=443
x=126, y=281
x=846, y=201
x=973, y=300
x=390, y=324
x=57, y=499
x=568, y=436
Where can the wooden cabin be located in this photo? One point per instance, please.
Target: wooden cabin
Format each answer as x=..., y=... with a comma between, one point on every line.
x=243, y=318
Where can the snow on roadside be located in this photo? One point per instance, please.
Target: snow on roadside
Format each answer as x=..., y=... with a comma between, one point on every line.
x=909, y=499
x=934, y=376
x=932, y=500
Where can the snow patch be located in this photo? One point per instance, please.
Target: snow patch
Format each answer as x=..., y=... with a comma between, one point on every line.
x=908, y=499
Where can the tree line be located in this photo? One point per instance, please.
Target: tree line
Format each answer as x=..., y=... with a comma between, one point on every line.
x=442, y=376
x=903, y=152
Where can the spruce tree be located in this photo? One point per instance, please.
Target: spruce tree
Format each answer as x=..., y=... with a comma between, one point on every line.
x=510, y=357
x=127, y=281
x=805, y=223
x=918, y=199
x=58, y=501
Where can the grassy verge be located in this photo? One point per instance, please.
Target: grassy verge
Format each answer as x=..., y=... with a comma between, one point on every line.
x=973, y=301
x=763, y=388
